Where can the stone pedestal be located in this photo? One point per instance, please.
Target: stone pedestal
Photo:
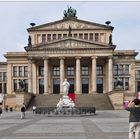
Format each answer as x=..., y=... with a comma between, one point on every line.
x=65, y=101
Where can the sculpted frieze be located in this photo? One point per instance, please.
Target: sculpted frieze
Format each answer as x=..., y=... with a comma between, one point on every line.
x=73, y=24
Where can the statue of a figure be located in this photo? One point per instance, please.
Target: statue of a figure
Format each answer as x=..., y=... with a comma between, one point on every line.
x=66, y=86
x=70, y=12
x=29, y=41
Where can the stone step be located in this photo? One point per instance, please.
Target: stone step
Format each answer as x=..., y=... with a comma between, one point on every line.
x=100, y=101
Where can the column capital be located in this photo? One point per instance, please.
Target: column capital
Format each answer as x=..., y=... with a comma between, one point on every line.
x=45, y=58
x=78, y=57
x=94, y=57
x=61, y=57
x=110, y=57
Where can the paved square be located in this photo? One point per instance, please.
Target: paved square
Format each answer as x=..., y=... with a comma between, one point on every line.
x=103, y=125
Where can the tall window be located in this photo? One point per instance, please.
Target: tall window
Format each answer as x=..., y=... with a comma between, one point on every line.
x=81, y=36
x=54, y=36
x=4, y=76
x=15, y=82
x=138, y=74
x=86, y=36
x=91, y=36
x=56, y=71
x=96, y=37
x=48, y=37
x=0, y=76
x=59, y=36
x=25, y=71
x=43, y=38
x=15, y=71
x=64, y=35
x=41, y=70
x=70, y=70
x=85, y=70
x=20, y=71
x=75, y=35
x=0, y=87
x=99, y=70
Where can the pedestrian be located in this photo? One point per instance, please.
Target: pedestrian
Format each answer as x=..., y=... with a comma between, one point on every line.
x=34, y=109
x=134, y=119
x=0, y=111
x=23, y=109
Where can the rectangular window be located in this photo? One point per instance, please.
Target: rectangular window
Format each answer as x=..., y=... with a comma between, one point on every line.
x=101, y=37
x=115, y=69
x=43, y=38
x=0, y=87
x=64, y=35
x=5, y=88
x=75, y=35
x=138, y=74
x=15, y=71
x=126, y=69
x=54, y=36
x=120, y=69
x=70, y=70
x=126, y=83
x=20, y=71
x=99, y=70
x=81, y=36
x=26, y=84
x=26, y=71
x=59, y=36
x=41, y=70
x=4, y=76
x=96, y=37
x=85, y=70
x=91, y=36
x=15, y=84
x=56, y=71
x=86, y=36
x=1, y=77
x=48, y=37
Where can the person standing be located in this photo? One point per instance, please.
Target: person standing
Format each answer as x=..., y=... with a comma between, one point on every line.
x=23, y=109
x=34, y=109
x=134, y=119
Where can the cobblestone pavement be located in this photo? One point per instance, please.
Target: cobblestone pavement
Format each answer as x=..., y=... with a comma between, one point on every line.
x=103, y=125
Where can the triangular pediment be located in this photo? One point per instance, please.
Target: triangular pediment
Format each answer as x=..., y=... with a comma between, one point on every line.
x=73, y=23
x=71, y=43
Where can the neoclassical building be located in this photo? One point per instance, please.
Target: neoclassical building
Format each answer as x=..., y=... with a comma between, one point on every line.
x=78, y=50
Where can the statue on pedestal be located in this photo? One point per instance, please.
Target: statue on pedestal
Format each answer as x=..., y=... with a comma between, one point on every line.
x=66, y=86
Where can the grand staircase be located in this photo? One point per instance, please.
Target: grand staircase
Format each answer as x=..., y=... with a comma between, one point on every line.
x=99, y=101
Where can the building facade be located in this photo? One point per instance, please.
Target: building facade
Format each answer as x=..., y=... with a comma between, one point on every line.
x=78, y=50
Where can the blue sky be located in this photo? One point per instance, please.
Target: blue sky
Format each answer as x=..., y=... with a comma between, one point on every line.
x=15, y=18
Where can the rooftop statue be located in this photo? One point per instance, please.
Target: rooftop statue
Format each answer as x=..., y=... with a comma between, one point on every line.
x=71, y=12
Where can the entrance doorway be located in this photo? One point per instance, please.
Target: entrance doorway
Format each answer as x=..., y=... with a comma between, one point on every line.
x=41, y=86
x=85, y=85
x=56, y=86
x=99, y=85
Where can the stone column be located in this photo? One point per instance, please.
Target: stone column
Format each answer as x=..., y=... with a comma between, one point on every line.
x=93, y=75
x=78, y=76
x=62, y=74
x=110, y=73
x=46, y=74
x=30, y=76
